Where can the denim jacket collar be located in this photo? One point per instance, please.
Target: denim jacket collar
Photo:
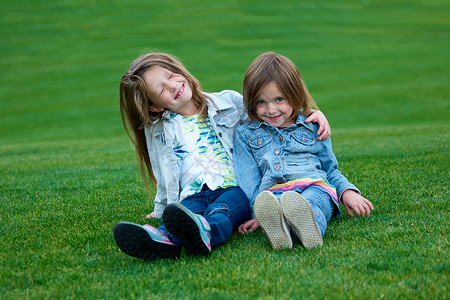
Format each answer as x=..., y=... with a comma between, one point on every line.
x=299, y=122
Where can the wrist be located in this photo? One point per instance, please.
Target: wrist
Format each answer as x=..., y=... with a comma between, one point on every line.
x=347, y=193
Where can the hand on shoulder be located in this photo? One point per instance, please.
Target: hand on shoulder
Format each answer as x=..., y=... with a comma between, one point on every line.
x=318, y=117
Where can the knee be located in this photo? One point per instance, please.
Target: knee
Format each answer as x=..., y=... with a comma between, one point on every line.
x=212, y=210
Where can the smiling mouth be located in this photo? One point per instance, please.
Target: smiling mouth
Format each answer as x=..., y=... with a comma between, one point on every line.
x=180, y=92
x=273, y=118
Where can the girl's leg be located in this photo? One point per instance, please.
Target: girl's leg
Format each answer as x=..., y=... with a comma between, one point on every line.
x=147, y=242
x=206, y=219
x=227, y=209
x=321, y=205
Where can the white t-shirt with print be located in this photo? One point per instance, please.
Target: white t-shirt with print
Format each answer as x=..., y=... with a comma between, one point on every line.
x=201, y=157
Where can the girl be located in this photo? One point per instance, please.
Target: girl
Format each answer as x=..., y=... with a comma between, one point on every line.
x=289, y=175
x=184, y=141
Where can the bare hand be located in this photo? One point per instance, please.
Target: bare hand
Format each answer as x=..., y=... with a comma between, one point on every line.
x=355, y=204
x=151, y=215
x=318, y=117
x=249, y=226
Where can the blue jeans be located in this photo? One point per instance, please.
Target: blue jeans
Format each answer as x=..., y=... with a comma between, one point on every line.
x=321, y=205
x=224, y=209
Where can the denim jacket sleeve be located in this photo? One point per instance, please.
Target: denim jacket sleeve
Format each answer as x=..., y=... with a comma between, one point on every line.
x=246, y=169
x=330, y=166
x=164, y=167
x=237, y=100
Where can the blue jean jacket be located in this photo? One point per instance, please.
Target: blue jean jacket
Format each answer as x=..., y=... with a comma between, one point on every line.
x=266, y=156
x=226, y=114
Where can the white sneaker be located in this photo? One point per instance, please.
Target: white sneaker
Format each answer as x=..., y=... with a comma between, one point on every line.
x=269, y=215
x=298, y=213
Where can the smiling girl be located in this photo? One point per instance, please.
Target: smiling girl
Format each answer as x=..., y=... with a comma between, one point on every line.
x=290, y=175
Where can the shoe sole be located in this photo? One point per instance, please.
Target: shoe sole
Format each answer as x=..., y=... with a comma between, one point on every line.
x=299, y=214
x=180, y=224
x=270, y=217
x=135, y=241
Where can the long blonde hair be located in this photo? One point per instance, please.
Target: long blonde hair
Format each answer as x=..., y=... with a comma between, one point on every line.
x=135, y=102
x=274, y=67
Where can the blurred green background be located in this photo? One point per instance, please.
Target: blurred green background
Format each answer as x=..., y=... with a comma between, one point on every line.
x=366, y=63
x=379, y=70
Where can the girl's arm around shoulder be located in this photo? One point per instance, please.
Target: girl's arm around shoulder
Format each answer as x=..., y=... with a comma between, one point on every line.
x=318, y=117
x=355, y=204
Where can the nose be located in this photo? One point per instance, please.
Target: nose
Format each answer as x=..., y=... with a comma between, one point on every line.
x=271, y=107
x=172, y=85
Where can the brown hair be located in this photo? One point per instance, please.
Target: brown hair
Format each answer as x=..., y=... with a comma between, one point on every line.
x=135, y=102
x=274, y=67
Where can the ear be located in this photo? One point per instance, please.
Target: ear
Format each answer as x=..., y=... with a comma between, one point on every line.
x=155, y=109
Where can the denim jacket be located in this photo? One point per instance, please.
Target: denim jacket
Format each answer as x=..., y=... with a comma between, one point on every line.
x=225, y=114
x=266, y=156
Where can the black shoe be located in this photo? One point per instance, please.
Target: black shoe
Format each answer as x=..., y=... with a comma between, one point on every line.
x=144, y=242
x=191, y=229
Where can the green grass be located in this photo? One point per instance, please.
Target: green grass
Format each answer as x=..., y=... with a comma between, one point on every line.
x=378, y=69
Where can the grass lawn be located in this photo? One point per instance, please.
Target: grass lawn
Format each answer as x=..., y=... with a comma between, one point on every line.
x=380, y=71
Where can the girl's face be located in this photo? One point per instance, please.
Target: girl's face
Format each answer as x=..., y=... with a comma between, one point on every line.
x=273, y=108
x=170, y=91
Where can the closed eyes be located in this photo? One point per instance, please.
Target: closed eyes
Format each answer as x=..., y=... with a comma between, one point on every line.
x=170, y=77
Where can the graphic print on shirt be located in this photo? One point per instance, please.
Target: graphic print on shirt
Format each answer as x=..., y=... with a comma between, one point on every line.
x=201, y=157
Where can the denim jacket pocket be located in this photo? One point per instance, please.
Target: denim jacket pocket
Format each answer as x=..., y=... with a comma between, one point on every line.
x=302, y=141
x=260, y=145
